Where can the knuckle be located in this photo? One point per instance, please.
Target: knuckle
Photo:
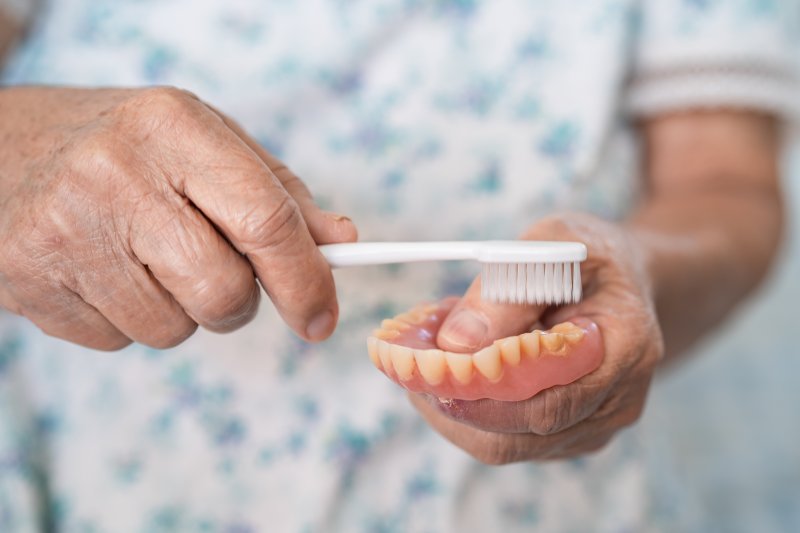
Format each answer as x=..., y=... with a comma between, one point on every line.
x=277, y=228
x=91, y=182
x=41, y=267
x=227, y=304
x=97, y=157
x=109, y=343
x=169, y=337
x=84, y=335
x=161, y=106
x=165, y=97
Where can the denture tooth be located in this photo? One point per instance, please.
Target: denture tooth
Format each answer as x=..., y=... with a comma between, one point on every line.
x=574, y=337
x=431, y=365
x=394, y=325
x=403, y=361
x=460, y=365
x=572, y=333
x=552, y=342
x=384, y=355
x=385, y=334
x=564, y=327
x=405, y=317
x=529, y=342
x=372, y=349
x=411, y=317
x=488, y=362
x=509, y=350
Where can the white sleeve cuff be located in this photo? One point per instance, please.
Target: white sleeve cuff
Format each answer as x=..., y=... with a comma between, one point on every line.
x=762, y=87
x=720, y=54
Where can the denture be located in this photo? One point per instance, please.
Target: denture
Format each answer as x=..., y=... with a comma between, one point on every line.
x=510, y=369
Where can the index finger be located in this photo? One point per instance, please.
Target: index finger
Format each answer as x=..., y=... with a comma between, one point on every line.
x=325, y=227
x=247, y=203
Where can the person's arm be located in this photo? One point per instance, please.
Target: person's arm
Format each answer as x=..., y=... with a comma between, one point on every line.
x=10, y=30
x=15, y=16
x=703, y=237
x=711, y=222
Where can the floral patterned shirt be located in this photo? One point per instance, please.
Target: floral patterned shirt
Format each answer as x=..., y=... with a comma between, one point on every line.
x=438, y=119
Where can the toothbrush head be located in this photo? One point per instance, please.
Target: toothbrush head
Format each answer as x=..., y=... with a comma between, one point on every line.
x=532, y=272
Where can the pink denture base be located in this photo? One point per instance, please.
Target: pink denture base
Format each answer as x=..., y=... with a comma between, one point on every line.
x=517, y=382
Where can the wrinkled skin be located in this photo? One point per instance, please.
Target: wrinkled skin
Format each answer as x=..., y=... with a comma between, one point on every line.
x=581, y=417
x=704, y=235
x=135, y=215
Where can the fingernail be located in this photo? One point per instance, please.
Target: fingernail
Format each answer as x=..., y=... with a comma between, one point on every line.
x=320, y=326
x=466, y=329
x=338, y=218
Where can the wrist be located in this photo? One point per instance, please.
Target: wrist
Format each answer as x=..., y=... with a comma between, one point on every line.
x=646, y=259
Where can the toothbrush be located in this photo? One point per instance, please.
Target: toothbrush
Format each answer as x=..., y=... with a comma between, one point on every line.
x=514, y=272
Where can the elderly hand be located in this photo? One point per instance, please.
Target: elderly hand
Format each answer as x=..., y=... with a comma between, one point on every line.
x=569, y=420
x=139, y=214
x=702, y=238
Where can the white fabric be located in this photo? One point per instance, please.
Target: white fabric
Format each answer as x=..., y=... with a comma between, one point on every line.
x=717, y=54
x=422, y=120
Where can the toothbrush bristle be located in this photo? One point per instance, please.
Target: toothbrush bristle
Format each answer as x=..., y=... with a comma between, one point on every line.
x=531, y=283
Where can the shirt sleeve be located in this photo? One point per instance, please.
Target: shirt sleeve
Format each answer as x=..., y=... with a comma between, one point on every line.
x=691, y=54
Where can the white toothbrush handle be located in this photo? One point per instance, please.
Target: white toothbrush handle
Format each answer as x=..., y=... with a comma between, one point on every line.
x=381, y=253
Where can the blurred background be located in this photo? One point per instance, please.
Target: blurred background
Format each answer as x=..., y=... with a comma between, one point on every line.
x=722, y=429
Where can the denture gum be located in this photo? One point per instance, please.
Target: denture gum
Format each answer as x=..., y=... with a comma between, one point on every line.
x=510, y=369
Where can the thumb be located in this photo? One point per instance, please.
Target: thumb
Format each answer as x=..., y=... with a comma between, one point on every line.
x=475, y=323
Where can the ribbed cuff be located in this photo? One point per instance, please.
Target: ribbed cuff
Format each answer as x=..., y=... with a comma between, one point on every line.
x=748, y=86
